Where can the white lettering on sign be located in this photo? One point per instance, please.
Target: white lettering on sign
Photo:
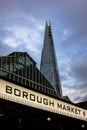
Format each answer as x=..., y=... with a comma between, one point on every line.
x=19, y=94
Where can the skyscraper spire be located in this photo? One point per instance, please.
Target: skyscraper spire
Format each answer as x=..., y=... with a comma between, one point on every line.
x=48, y=64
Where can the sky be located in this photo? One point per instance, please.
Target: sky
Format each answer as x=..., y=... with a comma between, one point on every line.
x=22, y=26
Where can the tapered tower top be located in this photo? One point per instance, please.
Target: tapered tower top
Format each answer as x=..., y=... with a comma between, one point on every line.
x=49, y=66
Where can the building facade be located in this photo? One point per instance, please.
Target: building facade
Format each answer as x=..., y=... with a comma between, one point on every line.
x=49, y=66
x=29, y=100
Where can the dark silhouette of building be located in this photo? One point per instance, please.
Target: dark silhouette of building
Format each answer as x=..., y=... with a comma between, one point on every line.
x=49, y=66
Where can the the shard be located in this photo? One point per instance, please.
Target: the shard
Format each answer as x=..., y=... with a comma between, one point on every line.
x=49, y=66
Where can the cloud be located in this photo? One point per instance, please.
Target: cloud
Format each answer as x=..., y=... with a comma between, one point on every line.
x=28, y=33
x=22, y=24
x=23, y=33
x=74, y=77
x=79, y=68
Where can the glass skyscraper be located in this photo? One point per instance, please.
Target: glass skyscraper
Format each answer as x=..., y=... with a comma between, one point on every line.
x=49, y=66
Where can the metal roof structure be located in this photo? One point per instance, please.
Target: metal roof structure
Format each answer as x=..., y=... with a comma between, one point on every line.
x=20, y=68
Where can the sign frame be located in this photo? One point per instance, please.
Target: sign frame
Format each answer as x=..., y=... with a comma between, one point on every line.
x=18, y=94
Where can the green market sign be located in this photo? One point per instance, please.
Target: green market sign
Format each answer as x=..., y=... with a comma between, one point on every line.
x=21, y=95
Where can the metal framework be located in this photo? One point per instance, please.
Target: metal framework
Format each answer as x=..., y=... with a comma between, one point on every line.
x=20, y=68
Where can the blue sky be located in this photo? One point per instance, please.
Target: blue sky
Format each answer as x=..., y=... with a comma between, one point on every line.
x=22, y=26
